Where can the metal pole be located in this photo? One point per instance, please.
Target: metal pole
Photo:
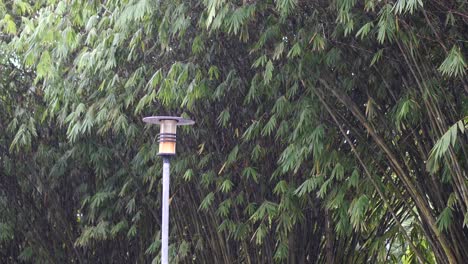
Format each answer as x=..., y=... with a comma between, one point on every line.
x=165, y=213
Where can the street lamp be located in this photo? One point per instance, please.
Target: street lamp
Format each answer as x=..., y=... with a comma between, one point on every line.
x=167, y=145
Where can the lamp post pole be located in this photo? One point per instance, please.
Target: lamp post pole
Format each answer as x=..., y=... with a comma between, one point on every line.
x=167, y=143
x=165, y=211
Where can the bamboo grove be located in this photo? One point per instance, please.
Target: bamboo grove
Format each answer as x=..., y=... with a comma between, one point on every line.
x=327, y=131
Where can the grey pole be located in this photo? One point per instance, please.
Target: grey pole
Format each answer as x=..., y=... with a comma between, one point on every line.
x=165, y=212
x=168, y=135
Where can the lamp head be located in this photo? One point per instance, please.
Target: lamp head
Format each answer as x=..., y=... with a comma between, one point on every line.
x=168, y=132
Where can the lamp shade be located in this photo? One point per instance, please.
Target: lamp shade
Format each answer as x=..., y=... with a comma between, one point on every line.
x=168, y=132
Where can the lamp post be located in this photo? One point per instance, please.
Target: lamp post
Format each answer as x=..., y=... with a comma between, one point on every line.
x=167, y=145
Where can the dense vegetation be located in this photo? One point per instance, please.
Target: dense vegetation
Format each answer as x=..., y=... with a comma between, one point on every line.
x=327, y=131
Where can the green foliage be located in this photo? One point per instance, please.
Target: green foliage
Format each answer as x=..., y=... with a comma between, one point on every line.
x=406, y=112
x=207, y=201
x=7, y=25
x=90, y=233
x=357, y=211
x=364, y=30
x=6, y=232
x=445, y=219
x=454, y=65
x=403, y=6
x=386, y=25
x=443, y=144
x=309, y=185
x=321, y=131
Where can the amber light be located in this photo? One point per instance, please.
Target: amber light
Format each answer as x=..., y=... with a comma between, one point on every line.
x=167, y=137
